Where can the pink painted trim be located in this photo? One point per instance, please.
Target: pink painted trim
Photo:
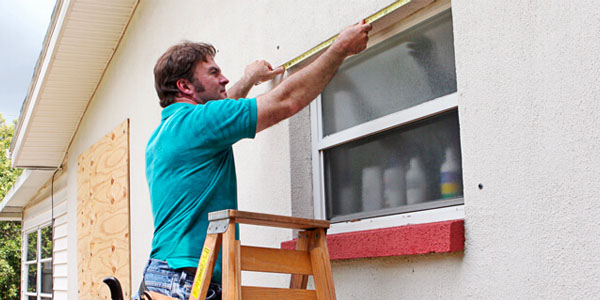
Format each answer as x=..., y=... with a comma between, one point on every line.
x=439, y=237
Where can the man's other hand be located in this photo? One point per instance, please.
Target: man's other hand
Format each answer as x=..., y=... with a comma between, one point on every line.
x=261, y=70
x=353, y=39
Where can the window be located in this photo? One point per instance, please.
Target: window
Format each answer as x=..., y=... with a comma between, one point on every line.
x=386, y=127
x=38, y=264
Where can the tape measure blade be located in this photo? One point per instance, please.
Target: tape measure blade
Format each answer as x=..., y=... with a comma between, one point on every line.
x=311, y=52
x=374, y=17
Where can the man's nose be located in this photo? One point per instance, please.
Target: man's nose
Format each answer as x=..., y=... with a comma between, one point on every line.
x=223, y=80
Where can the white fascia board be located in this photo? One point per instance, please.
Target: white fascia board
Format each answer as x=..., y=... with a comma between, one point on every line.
x=46, y=57
x=10, y=213
x=26, y=187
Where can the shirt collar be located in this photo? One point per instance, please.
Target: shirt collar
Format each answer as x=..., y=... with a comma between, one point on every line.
x=173, y=108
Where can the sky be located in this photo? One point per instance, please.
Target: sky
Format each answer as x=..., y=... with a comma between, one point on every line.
x=23, y=25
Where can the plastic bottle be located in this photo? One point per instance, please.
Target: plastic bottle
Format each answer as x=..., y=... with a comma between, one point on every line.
x=394, y=187
x=416, y=186
x=349, y=202
x=450, y=175
x=372, y=188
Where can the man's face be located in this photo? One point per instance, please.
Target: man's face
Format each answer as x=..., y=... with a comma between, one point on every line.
x=208, y=82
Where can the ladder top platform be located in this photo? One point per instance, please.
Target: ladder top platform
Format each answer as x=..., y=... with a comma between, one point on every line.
x=254, y=218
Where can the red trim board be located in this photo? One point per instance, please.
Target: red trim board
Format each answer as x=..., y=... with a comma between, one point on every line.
x=438, y=237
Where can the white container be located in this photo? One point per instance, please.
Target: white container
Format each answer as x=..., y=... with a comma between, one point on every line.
x=416, y=186
x=348, y=204
x=372, y=189
x=394, y=187
x=450, y=175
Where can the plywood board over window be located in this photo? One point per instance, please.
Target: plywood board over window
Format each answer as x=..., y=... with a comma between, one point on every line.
x=103, y=215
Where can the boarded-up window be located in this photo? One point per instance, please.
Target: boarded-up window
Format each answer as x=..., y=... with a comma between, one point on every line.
x=103, y=215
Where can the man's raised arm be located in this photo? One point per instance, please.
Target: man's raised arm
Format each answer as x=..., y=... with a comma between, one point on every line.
x=298, y=90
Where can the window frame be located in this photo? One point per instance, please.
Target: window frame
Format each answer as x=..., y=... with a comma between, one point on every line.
x=38, y=262
x=439, y=210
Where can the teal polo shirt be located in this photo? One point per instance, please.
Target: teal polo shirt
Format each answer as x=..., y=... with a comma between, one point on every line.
x=191, y=172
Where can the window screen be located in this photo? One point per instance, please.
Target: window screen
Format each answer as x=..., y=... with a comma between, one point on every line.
x=411, y=165
x=408, y=69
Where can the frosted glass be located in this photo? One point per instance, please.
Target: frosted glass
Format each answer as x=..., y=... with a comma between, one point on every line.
x=410, y=68
x=375, y=173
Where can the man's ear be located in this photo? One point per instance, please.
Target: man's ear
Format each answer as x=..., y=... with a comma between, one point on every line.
x=185, y=87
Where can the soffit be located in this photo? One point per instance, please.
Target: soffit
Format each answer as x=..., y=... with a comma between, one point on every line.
x=77, y=51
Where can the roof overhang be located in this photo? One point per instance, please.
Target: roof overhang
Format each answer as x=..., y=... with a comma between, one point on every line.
x=81, y=40
x=22, y=191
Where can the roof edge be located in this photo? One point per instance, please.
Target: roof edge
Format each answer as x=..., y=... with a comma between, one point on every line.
x=56, y=21
x=24, y=189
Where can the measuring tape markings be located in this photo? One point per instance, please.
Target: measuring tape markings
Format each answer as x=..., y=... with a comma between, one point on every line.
x=200, y=273
x=376, y=16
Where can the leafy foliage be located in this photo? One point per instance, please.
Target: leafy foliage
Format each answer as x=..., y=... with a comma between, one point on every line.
x=8, y=175
x=10, y=232
x=10, y=260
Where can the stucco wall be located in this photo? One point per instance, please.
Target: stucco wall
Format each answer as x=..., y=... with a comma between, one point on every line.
x=528, y=91
x=529, y=85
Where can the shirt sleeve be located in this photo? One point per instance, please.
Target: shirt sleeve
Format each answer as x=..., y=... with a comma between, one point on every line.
x=224, y=122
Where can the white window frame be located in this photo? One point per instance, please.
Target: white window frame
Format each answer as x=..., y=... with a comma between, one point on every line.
x=436, y=211
x=38, y=262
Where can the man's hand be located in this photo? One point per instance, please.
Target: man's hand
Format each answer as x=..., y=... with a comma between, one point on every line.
x=255, y=72
x=260, y=71
x=353, y=39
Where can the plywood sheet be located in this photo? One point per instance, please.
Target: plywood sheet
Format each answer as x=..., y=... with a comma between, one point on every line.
x=103, y=215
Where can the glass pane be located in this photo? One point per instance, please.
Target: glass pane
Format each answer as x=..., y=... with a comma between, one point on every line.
x=32, y=278
x=46, y=242
x=400, y=167
x=32, y=246
x=47, y=277
x=32, y=297
x=408, y=69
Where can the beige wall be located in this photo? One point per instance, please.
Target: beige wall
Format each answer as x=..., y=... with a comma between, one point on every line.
x=528, y=90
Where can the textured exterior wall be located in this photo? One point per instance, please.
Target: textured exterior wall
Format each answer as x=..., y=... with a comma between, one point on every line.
x=528, y=92
x=529, y=85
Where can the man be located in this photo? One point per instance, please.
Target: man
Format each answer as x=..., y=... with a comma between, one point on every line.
x=189, y=158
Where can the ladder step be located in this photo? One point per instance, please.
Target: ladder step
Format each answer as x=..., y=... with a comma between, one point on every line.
x=275, y=260
x=253, y=218
x=262, y=293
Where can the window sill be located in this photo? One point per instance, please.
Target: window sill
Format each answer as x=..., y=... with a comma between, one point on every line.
x=438, y=237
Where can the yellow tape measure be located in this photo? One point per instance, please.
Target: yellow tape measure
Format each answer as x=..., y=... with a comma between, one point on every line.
x=200, y=273
x=374, y=17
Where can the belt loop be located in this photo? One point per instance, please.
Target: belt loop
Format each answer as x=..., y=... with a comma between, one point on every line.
x=182, y=277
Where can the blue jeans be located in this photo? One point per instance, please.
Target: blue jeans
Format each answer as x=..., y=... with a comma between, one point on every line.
x=160, y=278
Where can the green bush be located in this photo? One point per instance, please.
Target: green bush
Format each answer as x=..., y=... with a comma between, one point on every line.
x=10, y=232
x=10, y=260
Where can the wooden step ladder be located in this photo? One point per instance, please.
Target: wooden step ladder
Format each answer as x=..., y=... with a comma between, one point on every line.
x=311, y=257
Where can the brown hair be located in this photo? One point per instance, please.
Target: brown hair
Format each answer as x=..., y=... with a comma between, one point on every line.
x=177, y=63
